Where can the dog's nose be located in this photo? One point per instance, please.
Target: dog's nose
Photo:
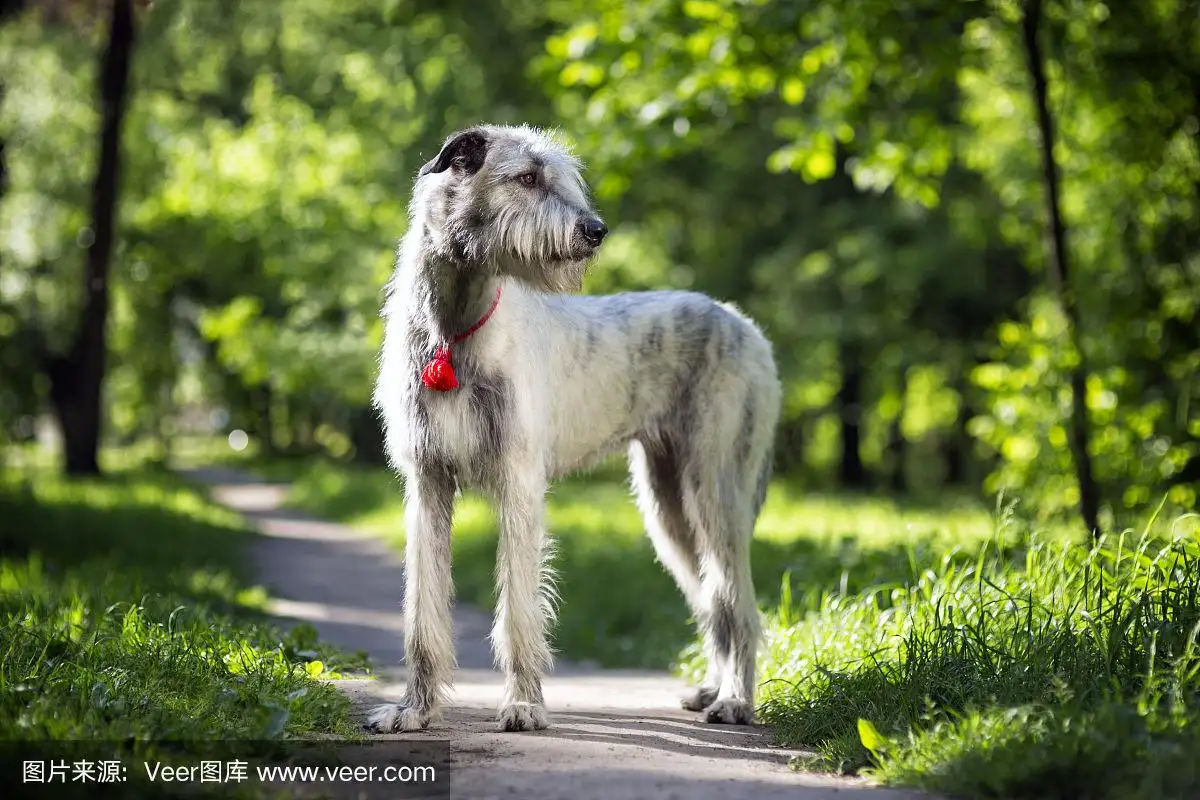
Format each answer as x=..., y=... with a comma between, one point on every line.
x=594, y=231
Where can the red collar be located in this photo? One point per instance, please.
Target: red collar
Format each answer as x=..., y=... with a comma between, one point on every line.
x=462, y=337
x=438, y=374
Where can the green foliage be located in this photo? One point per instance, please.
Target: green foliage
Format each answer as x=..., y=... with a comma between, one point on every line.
x=125, y=615
x=901, y=99
x=859, y=175
x=871, y=738
x=265, y=187
x=1134, y=447
x=1110, y=750
x=1037, y=668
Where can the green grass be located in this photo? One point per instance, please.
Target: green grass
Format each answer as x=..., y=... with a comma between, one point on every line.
x=1050, y=670
x=126, y=615
x=987, y=659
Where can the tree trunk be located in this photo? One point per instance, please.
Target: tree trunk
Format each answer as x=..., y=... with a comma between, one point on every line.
x=77, y=380
x=958, y=440
x=366, y=434
x=303, y=426
x=852, y=474
x=789, y=455
x=897, y=446
x=163, y=421
x=3, y=156
x=261, y=401
x=1057, y=260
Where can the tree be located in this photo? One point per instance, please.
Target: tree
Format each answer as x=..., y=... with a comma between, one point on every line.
x=1057, y=259
x=77, y=379
x=915, y=92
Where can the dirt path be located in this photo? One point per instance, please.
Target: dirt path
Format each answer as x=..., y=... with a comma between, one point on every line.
x=614, y=735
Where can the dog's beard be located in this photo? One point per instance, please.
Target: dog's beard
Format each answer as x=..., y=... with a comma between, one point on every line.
x=560, y=276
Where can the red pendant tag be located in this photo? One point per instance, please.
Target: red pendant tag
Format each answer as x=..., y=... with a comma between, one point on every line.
x=439, y=372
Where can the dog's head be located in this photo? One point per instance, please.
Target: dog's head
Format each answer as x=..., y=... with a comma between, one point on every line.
x=511, y=200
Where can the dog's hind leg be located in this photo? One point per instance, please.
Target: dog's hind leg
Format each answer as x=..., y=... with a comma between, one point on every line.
x=728, y=589
x=525, y=604
x=655, y=472
x=428, y=621
x=724, y=469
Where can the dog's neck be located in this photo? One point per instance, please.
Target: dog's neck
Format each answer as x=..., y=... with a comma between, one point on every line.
x=451, y=297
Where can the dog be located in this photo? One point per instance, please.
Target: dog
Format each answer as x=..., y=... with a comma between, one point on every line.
x=495, y=375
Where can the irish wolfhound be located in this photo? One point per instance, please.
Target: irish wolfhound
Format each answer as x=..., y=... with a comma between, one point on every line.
x=492, y=377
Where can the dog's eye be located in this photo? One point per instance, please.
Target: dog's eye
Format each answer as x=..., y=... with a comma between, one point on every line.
x=528, y=178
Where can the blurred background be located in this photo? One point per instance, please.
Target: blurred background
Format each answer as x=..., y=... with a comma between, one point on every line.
x=970, y=227
x=200, y=199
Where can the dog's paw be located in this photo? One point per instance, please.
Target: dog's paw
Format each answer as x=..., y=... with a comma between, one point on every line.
x=699, y=698
x=392, y=718
x=729, y=711
x=523, y=717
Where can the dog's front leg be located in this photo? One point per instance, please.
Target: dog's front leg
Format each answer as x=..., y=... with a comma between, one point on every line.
x=525, y=606
x=428, y=631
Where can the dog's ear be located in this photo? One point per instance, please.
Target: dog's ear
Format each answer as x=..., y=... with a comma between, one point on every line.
x=464, y=151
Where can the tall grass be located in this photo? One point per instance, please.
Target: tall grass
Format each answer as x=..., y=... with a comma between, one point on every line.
x=1045, y=669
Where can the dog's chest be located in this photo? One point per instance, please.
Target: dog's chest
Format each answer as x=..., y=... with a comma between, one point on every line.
x=452, y=427
x=467, y=426
x=464, y=427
